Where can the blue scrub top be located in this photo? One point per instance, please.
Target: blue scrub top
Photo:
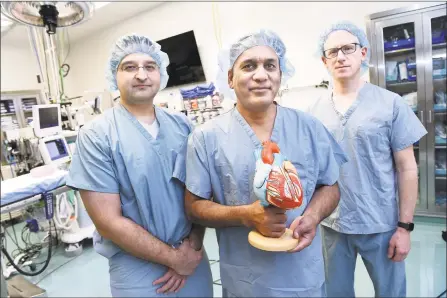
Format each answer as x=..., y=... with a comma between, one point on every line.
x=116, y=154
x=378, y=124
x=221, y=164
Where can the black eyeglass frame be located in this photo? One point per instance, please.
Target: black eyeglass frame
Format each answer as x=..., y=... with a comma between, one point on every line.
x=341, y=48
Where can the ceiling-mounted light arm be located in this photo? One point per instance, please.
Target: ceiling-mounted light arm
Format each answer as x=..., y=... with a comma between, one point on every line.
x=49, y=14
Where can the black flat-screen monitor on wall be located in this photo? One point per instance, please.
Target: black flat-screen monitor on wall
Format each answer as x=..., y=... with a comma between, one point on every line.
x=185, y=65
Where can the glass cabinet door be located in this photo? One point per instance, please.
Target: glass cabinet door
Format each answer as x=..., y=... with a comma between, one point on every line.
x=8, y=113
x=435, y=29
x=399, y=46
x=27, y=104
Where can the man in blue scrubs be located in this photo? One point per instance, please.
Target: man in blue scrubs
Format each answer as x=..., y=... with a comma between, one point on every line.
x=221, y=166
x=377, y=130
x=129, y=166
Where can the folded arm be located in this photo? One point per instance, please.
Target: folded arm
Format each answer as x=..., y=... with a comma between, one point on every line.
x=196, y=236
x=269, y=221
x=207, y=213
x=323, y=202
x=105, y=212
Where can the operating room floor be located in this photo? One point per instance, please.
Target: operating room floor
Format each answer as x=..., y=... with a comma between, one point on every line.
x=87, y=274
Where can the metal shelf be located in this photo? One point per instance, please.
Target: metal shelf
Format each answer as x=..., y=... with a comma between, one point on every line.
x=439, y=108
x=428, y=82
x=439, y=45
x=400, y=51
x=205, y=109
x=399, y=84
x=439, y=84
x=440, y=81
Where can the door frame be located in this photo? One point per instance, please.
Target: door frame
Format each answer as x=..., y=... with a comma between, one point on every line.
x=379, y=25
x=429, y=88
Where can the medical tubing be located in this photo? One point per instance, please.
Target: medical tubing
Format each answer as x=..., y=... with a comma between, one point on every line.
x=50, y=244
x=57, y=220
x=67, y=224
x=75, y=203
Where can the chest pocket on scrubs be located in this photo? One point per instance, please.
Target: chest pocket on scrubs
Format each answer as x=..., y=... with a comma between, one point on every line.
x=132, y=172
x=372, y=138
x=234, y=180
x=304, y=165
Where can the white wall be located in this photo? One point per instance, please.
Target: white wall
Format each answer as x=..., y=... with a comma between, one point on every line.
x=299, y=24
x=18, y=69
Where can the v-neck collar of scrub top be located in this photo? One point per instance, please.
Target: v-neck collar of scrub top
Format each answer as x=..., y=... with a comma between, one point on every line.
x=360, y=97
x=256, y=142
x=159, y=116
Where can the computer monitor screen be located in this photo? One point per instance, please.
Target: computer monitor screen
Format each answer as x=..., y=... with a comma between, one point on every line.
x=185, y=65
x=56, y=149
x=48, y=117
x=46, y=120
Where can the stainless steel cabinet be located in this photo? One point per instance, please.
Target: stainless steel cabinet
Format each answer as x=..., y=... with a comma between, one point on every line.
x=16, y=108
x=408, y=56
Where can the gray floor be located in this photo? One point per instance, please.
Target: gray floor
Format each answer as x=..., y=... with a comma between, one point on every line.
x=87, y=274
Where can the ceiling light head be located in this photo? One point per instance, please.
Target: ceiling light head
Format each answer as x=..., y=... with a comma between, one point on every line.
x=48, y=14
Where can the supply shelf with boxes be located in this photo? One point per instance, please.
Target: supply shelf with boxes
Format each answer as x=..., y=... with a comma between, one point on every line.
x=408, y=57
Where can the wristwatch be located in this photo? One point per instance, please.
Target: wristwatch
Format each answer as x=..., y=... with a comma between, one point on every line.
x=407, y=226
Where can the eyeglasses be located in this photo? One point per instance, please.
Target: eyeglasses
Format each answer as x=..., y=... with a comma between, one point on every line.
x=346, y=49
x=135, y=69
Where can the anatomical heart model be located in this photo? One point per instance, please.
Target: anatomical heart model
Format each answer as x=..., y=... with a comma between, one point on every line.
x=276, y=183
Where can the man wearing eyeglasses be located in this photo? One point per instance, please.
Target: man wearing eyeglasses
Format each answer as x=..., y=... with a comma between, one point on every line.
x=377, y=130
x=129, y=166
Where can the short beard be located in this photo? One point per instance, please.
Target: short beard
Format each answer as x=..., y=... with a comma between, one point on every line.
x=140, y=100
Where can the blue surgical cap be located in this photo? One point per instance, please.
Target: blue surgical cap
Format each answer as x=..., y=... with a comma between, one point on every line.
x=354, y=30
x=131, y=44
x=260, y=38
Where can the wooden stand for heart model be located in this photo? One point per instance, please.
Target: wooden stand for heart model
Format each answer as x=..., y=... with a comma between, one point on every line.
x=284, y=191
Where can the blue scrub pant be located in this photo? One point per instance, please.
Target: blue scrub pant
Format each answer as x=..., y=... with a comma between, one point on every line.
x=133, y=277
x=340, y=255
x=320, y=292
